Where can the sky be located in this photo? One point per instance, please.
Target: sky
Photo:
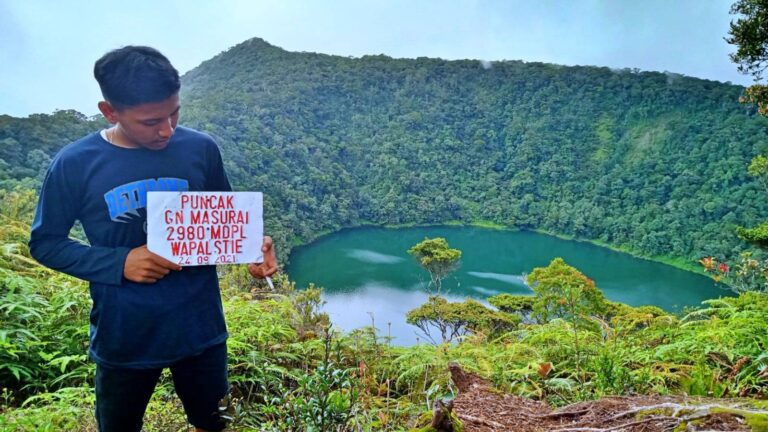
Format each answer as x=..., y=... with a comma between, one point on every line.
x=48, y=47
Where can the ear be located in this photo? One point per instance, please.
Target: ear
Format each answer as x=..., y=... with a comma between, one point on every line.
x=109, y=112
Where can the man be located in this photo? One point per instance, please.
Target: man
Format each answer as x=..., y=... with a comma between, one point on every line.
x=148, y=313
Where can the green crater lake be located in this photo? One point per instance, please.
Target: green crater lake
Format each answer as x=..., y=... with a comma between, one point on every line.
x=367, y=272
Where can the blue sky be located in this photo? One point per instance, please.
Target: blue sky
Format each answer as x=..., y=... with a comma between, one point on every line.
x=48, y=47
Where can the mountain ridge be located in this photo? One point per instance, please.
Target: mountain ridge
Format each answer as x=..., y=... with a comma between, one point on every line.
x=652, y=163
x=261, y=43
x=520, y=125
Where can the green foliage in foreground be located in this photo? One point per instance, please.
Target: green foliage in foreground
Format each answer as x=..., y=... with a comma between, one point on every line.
x=744, y=275
x=563, y=292
x=289, y=372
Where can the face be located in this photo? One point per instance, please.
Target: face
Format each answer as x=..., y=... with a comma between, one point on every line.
x=149, y=125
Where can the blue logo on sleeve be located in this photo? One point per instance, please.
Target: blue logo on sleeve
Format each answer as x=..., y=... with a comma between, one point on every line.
x=125, y=200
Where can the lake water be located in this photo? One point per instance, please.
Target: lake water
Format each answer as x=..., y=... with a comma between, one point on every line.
x=367, y=273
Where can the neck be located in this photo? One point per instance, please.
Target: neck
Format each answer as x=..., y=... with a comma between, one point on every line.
x=116, y=138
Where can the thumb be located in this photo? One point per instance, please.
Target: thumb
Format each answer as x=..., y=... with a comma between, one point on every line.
x=267, y=244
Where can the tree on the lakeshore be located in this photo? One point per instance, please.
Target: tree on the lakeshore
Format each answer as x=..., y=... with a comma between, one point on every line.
x=455, y=320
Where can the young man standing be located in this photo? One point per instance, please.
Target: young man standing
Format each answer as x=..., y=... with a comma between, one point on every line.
x=148, y=313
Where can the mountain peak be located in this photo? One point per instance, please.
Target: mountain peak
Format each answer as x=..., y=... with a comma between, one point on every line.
x=257, y=43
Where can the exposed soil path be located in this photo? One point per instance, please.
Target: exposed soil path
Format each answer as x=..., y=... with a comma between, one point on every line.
x=483, y=409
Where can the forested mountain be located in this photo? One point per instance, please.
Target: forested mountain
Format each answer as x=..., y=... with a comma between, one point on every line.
x=651, y=162
x=27, y=145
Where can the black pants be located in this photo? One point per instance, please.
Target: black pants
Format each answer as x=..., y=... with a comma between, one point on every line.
x=122, y=395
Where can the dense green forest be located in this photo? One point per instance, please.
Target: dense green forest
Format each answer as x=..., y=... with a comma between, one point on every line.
x=653, y=163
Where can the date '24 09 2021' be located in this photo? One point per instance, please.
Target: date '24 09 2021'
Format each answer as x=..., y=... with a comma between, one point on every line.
x=205, y=259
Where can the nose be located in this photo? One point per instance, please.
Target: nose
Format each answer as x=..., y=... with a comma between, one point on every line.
x=166, y=129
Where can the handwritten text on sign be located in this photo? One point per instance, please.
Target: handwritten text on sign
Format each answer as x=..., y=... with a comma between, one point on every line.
x=204, y=228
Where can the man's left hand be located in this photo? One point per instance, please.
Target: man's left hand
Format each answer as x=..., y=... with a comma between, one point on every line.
x=269, y=266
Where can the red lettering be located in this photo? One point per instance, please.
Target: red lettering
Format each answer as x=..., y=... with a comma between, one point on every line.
x=208, y=202
x=198, y=248
x=175, y=248
x=174, y=217
x=228, y=246
x=239, y=230
x=202, y=216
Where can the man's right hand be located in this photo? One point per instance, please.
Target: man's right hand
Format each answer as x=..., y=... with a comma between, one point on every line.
x=143, y=266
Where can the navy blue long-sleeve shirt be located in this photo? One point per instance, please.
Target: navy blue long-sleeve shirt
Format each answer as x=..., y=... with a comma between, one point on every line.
x=133, y=325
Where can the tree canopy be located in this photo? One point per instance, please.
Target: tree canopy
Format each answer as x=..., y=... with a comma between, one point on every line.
x=749, y=32
x=437, y=258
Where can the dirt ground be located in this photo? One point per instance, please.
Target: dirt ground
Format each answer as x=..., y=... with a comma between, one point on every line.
x=482, y=409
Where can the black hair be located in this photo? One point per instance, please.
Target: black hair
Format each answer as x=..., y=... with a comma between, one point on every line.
x=135, y=75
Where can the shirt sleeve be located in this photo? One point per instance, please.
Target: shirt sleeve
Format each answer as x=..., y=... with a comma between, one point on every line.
x=49, y=243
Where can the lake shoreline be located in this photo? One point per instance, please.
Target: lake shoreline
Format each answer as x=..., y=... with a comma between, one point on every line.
x=366, y=270
x=677, y=262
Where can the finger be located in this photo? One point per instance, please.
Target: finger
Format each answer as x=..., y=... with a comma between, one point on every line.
x=258, y=271
x=156, y=273
x=164, y=263
x=270, y=266
x=160, y=271
x=272, y=270
x=269, y=257
x=254, y=270
x=266, y=246
x=263, y=270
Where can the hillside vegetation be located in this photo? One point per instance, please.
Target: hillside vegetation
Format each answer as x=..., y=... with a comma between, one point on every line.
x=652, y=163
x=290, y=372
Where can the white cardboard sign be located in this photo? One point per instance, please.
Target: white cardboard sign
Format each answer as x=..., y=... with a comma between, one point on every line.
x=205, y=228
